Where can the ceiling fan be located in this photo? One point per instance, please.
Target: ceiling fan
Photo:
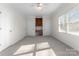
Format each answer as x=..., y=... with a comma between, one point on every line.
x=39, y=6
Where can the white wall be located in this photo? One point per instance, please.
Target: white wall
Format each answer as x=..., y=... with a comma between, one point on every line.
x=69, y=39
x=30, y=24
x=46, y=26
x=15, y=27
x=12, y=27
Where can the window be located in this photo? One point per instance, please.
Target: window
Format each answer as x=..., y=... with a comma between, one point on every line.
x=62, y=26
x=69, y=22
x=74, y=21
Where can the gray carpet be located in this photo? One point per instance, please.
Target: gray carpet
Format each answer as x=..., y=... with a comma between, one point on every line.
x=39, y=46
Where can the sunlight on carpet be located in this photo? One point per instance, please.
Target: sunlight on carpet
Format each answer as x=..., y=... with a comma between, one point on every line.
x=42, y=45
x=39, y=49
x=25, y=49
x=47, y=52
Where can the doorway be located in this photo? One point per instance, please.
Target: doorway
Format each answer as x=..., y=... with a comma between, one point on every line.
x=39, y=26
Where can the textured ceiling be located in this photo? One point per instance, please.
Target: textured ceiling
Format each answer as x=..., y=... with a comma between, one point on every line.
x=30, y=8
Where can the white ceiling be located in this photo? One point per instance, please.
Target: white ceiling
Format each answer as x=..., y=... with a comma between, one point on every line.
x=29, y=8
